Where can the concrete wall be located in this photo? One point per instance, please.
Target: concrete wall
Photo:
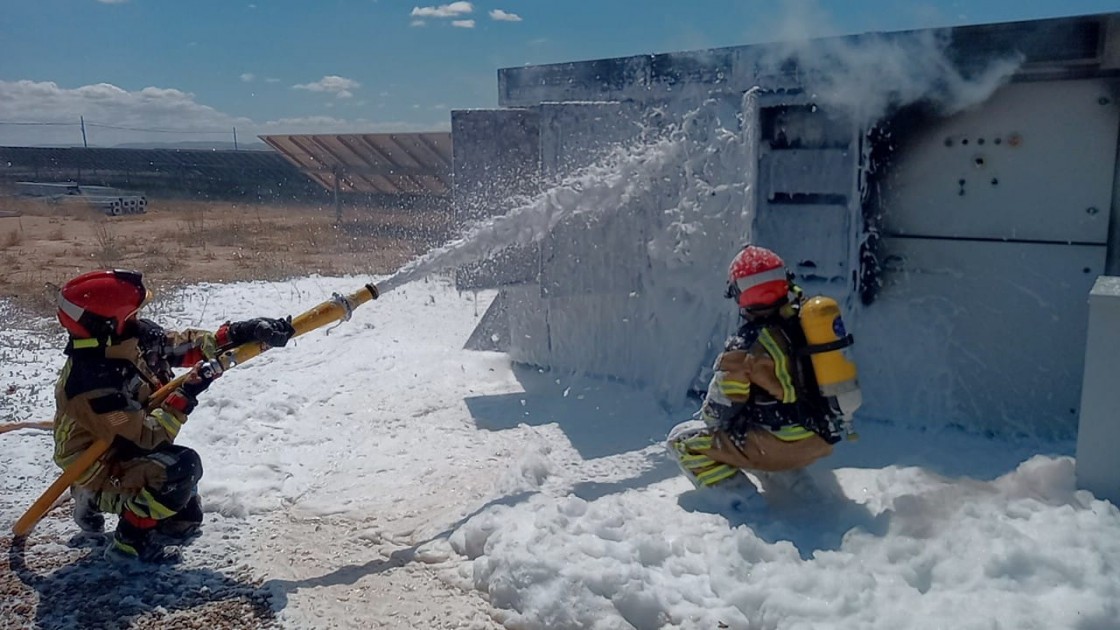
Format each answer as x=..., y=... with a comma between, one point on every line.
x=1098, y=466
x=961, y=254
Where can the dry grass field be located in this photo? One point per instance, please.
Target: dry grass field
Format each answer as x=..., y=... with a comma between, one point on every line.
x=179, y=242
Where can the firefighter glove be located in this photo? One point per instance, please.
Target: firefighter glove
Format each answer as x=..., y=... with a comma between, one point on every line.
x=200, y=377
x=271, y=332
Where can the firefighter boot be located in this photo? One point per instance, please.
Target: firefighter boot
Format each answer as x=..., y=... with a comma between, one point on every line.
x=135, y=541
x=184, y=526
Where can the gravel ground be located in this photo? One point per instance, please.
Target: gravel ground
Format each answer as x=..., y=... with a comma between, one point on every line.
x=54, y=579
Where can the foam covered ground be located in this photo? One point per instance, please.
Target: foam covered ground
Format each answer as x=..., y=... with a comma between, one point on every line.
x=380, y=475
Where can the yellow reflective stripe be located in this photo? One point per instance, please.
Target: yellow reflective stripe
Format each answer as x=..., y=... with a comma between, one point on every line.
x=209, y=346
x=90, y=473
x=716, y=475
x=110, y=502
x=697, y=443
x=734, y=387
x=136, y=507
x=82, y=344
x=781, y=365
x=146, y=505
x=696, y=459
x=62, y=430
x=156, y=509
x=125, y=547
x=792, y=433
x=169, y=422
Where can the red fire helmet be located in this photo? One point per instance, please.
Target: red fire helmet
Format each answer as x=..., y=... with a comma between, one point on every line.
x=98, y=303
x=757, y=278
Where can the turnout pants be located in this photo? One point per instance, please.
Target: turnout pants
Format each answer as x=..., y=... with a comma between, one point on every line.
x=155, y=485
x=708, y=455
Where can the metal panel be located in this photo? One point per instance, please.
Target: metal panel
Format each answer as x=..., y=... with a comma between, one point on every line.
x=986, y=335
x=808, y=171
x=603, y=79
x=497, y=164
x=496, y=159
x=528, y=325
x=1074, y=44
x=1035, y=162
x=574, y=136
x=387, y=163
x=1098, y=432
x=813, y=239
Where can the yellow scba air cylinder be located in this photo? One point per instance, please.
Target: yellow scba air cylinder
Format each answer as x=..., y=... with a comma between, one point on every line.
x=836, y=375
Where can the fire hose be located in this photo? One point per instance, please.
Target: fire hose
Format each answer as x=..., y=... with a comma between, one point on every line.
x=337, y=309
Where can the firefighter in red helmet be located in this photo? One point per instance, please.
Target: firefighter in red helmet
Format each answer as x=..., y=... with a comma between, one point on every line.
x=115, y=362
x=763, y=411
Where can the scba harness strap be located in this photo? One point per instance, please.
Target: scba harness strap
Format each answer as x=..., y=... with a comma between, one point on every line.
x=801, y=413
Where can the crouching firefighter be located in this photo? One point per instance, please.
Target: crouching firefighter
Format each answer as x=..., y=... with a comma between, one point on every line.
x=782, y=393
x=115, y=362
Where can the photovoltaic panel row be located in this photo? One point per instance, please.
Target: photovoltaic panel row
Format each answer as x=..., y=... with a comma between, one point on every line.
x=386, y=163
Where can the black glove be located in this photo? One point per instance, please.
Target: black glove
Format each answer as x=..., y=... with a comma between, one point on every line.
x=201, y=376
x=271, y=332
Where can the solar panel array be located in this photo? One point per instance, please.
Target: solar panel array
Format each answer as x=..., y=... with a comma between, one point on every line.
x=197, y=172
x=385, y=163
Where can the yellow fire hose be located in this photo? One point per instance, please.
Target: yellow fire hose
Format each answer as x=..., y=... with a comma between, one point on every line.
x=16, y=426
x=336, y=309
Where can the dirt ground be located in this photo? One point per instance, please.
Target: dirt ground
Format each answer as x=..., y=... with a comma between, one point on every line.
x=184, y=242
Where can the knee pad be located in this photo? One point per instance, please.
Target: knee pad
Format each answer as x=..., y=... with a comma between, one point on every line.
x=186, y=468
x=183, y=471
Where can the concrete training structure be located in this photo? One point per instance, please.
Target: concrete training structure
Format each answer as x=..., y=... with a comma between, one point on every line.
x=955, y=189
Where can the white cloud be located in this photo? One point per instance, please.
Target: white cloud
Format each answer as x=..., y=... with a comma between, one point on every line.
x=116, y=116
x=455, y=9
x=248, y=77
x=333, y=84
x=418, y=23
x=504, y=16
x=112, y=1
x=271, y=80
x=463, y=23
x=168, y=110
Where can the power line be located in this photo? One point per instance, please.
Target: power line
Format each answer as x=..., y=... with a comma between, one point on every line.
x=116, y=127
x=153, y=129
x=59, y=124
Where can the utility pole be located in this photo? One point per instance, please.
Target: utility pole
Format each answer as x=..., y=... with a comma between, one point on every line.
x=85, y=144
x=235, y=138
x=337, y=196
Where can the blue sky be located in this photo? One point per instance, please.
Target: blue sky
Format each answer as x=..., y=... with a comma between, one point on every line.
x=322, y=66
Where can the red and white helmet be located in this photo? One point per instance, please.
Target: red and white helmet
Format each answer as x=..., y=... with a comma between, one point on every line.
x=757, y=278
x=98, y=303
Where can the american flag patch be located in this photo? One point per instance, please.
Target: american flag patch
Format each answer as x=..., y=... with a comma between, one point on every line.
x=116, y=418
